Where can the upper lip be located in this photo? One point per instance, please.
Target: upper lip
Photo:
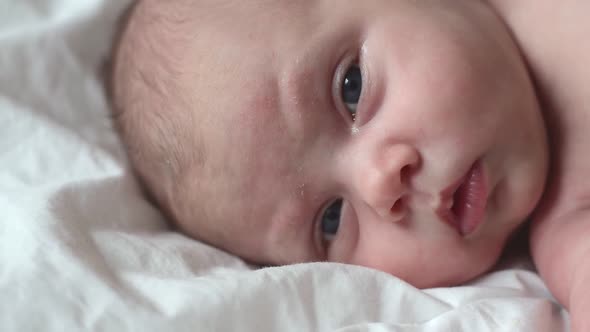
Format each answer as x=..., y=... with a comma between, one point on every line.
x=446, y=201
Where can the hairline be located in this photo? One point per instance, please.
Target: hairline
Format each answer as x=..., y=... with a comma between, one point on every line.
x=131, y=113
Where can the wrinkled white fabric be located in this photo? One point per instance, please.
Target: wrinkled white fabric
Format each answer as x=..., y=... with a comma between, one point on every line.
x=81, y=250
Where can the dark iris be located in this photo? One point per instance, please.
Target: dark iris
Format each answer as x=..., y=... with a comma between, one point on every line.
x=352, y=88
x=331, y=219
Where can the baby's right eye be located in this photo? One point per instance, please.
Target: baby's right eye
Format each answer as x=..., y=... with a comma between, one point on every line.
x=351, y=89
x=330, y=221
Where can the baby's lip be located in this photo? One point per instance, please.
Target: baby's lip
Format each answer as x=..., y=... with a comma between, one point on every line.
x=463, y=203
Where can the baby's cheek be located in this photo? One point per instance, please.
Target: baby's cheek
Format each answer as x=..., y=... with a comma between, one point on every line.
x=422, y=263
x=386, y=250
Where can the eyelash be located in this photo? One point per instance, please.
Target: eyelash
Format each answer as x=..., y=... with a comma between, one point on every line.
x=337, y=85
x=339, y=76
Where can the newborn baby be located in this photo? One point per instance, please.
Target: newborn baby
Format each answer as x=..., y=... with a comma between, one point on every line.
x=411, y=137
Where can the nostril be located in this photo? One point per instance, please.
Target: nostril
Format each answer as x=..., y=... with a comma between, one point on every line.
x=398, y=207
x=406, y=173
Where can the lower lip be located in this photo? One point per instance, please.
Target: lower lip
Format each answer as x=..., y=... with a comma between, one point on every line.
x=469, y=202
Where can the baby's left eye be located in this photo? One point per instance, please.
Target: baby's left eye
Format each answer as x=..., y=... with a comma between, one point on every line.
x=352, y=86
x=330, y=221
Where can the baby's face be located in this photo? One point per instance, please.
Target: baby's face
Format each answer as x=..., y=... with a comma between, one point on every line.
x=398, y=135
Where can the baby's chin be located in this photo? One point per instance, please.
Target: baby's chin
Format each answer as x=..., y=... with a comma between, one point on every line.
x=441, y=280
x=453, y=274
x=430, y=282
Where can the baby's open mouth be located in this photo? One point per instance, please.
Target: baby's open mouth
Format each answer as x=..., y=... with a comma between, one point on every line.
x=468, y=202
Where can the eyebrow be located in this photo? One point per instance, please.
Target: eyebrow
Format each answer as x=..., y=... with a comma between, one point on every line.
x=293, y=228
x=292, y=94
x=302, y=89
x=297, y=219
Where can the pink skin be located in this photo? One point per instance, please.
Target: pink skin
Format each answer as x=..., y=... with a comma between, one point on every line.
x=444, y=89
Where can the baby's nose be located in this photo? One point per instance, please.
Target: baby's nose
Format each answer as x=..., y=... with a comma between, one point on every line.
x=384, y=181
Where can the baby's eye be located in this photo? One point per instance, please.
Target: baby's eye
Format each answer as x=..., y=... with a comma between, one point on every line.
x=352, y=86
x=331, y=221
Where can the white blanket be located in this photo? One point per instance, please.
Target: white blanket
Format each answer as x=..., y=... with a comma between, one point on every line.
x=81, y=250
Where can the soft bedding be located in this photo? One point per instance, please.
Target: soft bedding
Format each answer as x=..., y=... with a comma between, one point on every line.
x=81, y=250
